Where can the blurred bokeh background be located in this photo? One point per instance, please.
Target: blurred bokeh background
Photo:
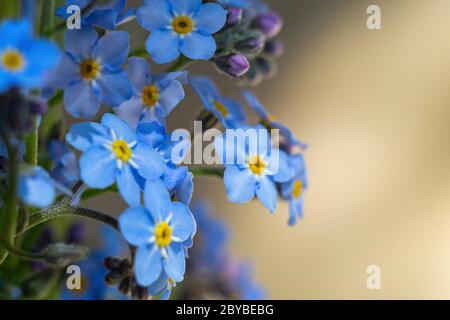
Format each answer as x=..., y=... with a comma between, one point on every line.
x=375, y=108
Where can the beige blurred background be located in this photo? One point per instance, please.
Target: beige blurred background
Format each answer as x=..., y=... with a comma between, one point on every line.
x=375, y=108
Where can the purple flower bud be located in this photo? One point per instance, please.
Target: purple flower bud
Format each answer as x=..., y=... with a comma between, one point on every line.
x=239, y=65
x=234, y=16
x=270, y=23
x=38, y=107
x=235, y=65
x=274, y=48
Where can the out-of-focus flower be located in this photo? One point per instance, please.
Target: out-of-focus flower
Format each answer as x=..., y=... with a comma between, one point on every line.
x=293, y=190
x=24, y=61
x=228, y=111
x=154, y=97
x=105, y=16
x=91, y=73
x=235, y=65
x=36, y=188
x=65, y=164
x=274, y=48
x=181, y=26
x=159, y=230
x=93, y=286
x=112, y=153
x=262, y=167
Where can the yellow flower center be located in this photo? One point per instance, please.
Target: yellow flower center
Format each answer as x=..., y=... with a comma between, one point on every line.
x=183, y=25
x=121, y=150
x=12, y=60
x=297, y=189
x=89, y=69
x=150, y=96
x=163, y=234
x=221, y=108
x=256, y=164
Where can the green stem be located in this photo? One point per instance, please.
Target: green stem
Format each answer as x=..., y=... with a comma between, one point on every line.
x=19, y=252
x=10, y=218
x=47, y=16
x=31, y=145
x=62, y=209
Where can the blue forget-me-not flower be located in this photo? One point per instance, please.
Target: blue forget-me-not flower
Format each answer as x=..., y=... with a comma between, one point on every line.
x=159, y=230
x=181, y=27
x=112, y=153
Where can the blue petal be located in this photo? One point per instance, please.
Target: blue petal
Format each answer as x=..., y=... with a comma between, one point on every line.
x=80, y=100
x=157, y=199
x=120, y=128
x=105, y=18
x=182, y=221
x=153, y=133
x=139, y=74
x=185, y=7
x=67, y=72
x=131, y=111
x=112, y=49
x=98, y=167
x=255, y=104
x=170, y=98
x=41, y=57
x=80, y=43
x=136, y=225
x=154, y=15
x=84, y=135
x=198, y=46
x=114, y=88
x=295, y=210
x=159, y=285
x=210, y=18
x=184, y=191
x=165, y=295
x=240, y=184
x=148, y=264
x=36, y=188
x=163, y=46
x=150, y=162
x=285, y=172
x=128, y=187
x=175, y=263
x=174, y=175
x=267, y=194
x=15, y=33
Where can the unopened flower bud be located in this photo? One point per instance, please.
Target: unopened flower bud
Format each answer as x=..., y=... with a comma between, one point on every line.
x=234, y=16
x=38, y=107
x=252, y=45
x=274, y=48
x=269, y=23
x=235, y=65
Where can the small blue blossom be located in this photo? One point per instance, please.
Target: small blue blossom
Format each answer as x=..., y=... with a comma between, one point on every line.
x=24, y=61
x=112, y=153
x=105, y=16
x=36, y=187
x=159, y=231
x=270, y=121
x=228, y=111
x=91, y=73
x=65, y=164
x=293, y=190
x=162, y=287
x=255, y=170
x=154, y=97
x=181, y=26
